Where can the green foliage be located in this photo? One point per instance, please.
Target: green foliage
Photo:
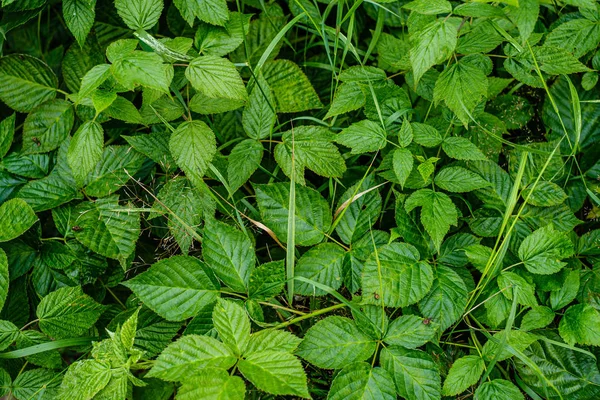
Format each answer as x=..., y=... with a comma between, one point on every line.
x=211, y=199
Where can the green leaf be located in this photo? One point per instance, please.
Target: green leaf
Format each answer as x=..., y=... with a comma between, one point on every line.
x=438, y=212
x=322, y=264
x=414, y=372
x=272, y=340
x=361, y=213
x=292, y=89
x=259, y=114
x=47, y=126
x=84, y=379
x=577, y=36
x=219, y=41
x=244, y=160
x=394, y=276
x=464, y=373
x=214, y=12
x=4, y=286
x=573, y=373
x=459, y=180
x=462, y=87
x=446, y=301
x=580, y=325
x=67, y=312
x=8, y=334
x=312, y=148
x=403, y=164
x=557, y=61
x=16, y=217
x=429, y=7
x=426, y=135
x=542, y=251
x=25, y=82
x=128, y=330
x=193, y=146
x=524, y=15
x=229, y=253
x=139, y=14
x=37, y=383
x=410, y=331
x=498, y=389
x=155, y=146
x=113, y=171
x=537, y=318
x=141, y=68
x=361, y=381
x=266, y=281
x=176, y=288
x=348, y=97
x=312, y=214
x=216, y=77
x=212, y=384
x=510, y=283
x=191, y=352
x=107, y=228
x=335, y=342
x=498, y=346
x=461, y=149
x=431, y=45
x=567, y=293
x=232, y=324
x=7, y=133
x=79, y=16
x=275, y=372
x=544, y=194
x=85, y=150
x=363, y=137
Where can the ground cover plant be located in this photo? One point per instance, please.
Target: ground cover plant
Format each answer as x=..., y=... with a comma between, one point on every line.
x=379, y=199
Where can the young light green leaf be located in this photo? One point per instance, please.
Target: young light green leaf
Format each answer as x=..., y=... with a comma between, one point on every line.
x=16, y=217
x=191, y=353
x=429, y=7
x=272, y=340
x=335, y=342
x=425, y=135
x=67, y=312
x=141, y=68
x=464, y=373
x=84, y=379
x=512, y=284
x=176, y=288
